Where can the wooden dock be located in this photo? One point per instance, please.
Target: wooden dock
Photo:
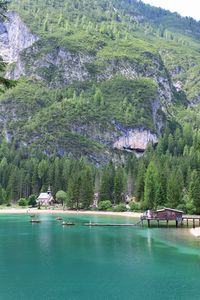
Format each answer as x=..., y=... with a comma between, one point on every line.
x=168, y=215
x=158, y=221
x=109, y=225
x=190, y=220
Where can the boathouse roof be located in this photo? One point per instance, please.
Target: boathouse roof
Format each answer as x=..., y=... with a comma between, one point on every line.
x=170, y=209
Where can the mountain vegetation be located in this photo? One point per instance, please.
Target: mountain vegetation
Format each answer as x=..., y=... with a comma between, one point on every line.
x=96, y=71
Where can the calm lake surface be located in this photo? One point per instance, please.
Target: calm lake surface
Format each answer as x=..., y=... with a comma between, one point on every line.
x=48, y=261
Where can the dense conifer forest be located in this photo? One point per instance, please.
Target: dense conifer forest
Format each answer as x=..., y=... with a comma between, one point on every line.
x=165, y=176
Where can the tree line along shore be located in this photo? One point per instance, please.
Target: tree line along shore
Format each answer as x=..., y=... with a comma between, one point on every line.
x=166, y=175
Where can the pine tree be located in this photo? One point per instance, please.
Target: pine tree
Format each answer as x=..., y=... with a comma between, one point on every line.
x=57, y=177
x=174, y=189
x=150, y=187
x=13, y=188
x=194, y=190
x=119, y=186
x=140, y=180
x=73, y=192
x=98, y=97
x=42, y=173
x=35, y=181
x=107, y=183
x=86, y=188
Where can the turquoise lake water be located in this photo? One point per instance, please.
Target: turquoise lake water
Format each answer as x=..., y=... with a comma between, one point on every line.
x=49, y=261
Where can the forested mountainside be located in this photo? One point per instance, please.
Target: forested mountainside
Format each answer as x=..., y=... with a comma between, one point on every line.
x=95, y=76
x=104, y=80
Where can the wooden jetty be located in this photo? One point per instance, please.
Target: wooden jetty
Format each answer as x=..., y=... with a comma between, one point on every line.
x=169, y=215
x=109, y=224
x=165, y=214
x=191, y=219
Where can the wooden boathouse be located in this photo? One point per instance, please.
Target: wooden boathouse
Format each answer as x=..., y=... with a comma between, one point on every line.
x=165, y=214
x=168, y=215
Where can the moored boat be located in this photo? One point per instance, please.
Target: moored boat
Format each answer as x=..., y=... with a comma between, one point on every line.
x=68, y=223
x=59, y=218
x=35, y=221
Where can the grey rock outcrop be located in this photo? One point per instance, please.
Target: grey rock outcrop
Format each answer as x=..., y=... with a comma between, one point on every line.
x=118, y=136
x=136, y=139
x=57, y=67
x=14, y=37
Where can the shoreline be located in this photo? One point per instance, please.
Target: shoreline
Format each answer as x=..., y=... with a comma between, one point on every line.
x=28, y=211
x=67, y=212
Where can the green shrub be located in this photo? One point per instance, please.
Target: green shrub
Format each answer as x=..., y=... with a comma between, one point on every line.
x=120, y=207
x=22, y=202
x=110, y=209
x=32, y=200
x=104, y=205
x=134, y=206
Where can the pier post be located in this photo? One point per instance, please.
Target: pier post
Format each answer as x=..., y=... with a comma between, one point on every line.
x=167, y=223
x=176, y=223
x=158, y=223
x=149, y=224
x=187, y=222
x=193, y=223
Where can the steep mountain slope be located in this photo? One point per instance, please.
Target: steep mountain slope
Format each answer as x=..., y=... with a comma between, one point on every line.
x=95, y=76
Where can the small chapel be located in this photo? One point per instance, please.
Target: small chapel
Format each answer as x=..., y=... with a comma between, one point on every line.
x=45, y=199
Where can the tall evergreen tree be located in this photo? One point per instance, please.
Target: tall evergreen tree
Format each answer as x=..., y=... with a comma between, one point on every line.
x=119, y=186
x=73, y=192
x=86, y=188
x=107, y=183
x=194, y=190
x=140, y=180
x=150, y=187
x=174, y=189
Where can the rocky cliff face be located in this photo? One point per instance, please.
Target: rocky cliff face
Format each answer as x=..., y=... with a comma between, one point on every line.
x=56, y=67
x=60, y=67
x=14, y=37
x=132, y=70
x=136, y=140
x=118, y=136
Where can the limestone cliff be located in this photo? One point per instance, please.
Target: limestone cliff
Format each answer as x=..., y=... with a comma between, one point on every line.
x=57, y=68
x=34, y=115
x=14, y=37
x=136, y=140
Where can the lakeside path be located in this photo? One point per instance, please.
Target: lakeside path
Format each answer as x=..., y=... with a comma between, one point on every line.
x=67, y=212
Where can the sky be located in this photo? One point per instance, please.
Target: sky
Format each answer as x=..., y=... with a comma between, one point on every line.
x=190, y=8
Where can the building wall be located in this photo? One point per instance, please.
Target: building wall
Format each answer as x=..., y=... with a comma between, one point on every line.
x=169, y=215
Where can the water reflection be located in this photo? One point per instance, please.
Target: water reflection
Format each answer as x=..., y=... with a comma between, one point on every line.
x=149, y=240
